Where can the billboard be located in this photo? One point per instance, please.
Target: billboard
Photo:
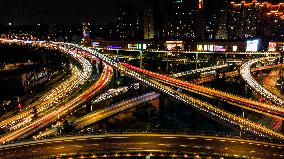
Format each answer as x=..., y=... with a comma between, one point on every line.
x=235, y=48
x=272, y=46
x=219, y=48
x=172, y=45
x=132, y=46
x=114, y=47
x=96, y=44
x=211, y=47
x=252, y=45
x=137, y=46
x=200, y=4
x=205, y=48
x=199, y=48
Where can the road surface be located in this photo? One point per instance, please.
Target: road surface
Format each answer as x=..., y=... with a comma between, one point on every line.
x=114, y=145
x=114, y=109
x=246, y=75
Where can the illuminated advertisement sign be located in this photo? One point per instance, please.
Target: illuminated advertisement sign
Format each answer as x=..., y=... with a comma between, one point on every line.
x=272, y=46
x=219, y=48
x=137, y=46
x=142, y=46
x=205, y=48
x=86, y=34
x=200, y=4
x=235, y=48
x=132, y=46
x=252, y=45
x=211, y=47
x=199, y=48
x=113, y=47
x=171, y=45
x=95, y=44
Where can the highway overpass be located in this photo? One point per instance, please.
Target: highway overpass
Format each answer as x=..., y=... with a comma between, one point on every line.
x=130, y=145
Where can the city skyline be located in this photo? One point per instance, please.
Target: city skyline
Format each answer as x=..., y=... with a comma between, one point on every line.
x=29, y=12
x=141, y=79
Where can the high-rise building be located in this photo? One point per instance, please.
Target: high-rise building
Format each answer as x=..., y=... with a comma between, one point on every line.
x=149, y=20
x=200, y=21
x=222, y=32
x=255, y=19
x=130, y=23
x=86, y=30
x=153, y=20
x=181, y=17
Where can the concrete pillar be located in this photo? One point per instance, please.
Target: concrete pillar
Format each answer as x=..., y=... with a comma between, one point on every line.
x=101, y=66
x=89, y=106
x=248, y=92
x=163, y=104
x=97, y=65
x=117, y=54
x=225, y=58
x=84, y=54
x=116, y=74
x=101, y=125
x=196, y=60
x=168, y=61
x=141, y=58
x=35, y=112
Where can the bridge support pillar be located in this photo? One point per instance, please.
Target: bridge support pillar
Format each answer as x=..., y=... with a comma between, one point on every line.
x=89, y=106
x=116, y=73
x=196, y=60
x=168, y=52
x=163, y=104
x=97, y=65
x=282, y=128
x=141, y=58
x=35, y=112
x=117, y=53
x=248, y=92
x=101, y=66
x=101, y=125
x=246, y=89
x=225, y=58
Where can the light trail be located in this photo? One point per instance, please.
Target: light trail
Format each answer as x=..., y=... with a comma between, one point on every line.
x=63, y=110
x=204, y=107
x=246, y=75
x=114, y=109
x=258, y=107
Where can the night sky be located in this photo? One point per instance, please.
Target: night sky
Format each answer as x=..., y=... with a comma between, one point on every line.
x=22, y=12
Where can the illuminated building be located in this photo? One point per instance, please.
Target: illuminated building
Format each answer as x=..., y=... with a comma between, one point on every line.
x=200, y=30
x=148, y=21
x=200, y=4
x=86, y=31
x=181, y=17
x=153, y=20
x=129, y=23
x=222, y=28
x=251, y=19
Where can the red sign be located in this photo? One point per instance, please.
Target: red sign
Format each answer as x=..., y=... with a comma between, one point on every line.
x=200, y=4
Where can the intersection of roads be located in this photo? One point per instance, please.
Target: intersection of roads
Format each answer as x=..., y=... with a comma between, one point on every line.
x=51, y=108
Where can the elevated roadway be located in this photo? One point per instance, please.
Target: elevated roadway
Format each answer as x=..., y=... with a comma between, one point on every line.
x=61, y=111
x=114, y=109
x=131, y=145
x=246, y=75
x=270, y=110
x=187, y=73
x=203, y=107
